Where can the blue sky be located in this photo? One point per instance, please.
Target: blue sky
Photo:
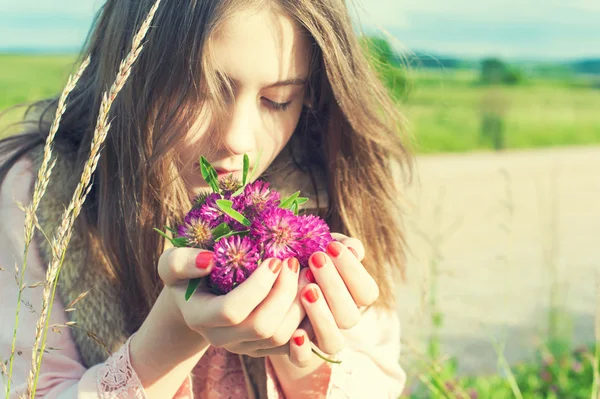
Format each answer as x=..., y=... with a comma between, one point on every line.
x=539, y=29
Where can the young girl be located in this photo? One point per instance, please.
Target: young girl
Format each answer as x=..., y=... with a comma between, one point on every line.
x=287, y=79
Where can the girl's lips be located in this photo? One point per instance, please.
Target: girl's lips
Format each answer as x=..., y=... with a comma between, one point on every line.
x=223, y=172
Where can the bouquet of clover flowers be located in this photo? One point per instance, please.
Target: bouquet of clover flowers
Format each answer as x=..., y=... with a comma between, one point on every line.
x=243, y=224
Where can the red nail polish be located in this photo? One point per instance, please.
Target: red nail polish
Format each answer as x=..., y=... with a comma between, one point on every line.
x=275, y=265
x=318, y=260
x=293, y=264
x=334, y=249
x=311, y=295
x=203, y=259
x=353, y=251
x=299, y=340
x=310, y=276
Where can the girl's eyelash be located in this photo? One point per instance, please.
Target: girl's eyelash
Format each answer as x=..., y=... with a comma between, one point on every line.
x=278, y=106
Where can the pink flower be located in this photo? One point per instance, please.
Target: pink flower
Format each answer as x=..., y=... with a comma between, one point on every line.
x=235, y=259
x=279, y=232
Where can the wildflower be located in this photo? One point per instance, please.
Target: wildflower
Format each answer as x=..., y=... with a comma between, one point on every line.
x=315, y=236
x=229, y=184
x=278, y=231
x=546, y=376
x=200, y=200
x=196, y=230
x=212, y=214
x=256, y=198
x=235, y=259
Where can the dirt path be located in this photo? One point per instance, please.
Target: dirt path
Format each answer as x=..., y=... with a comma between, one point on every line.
x=504, y=229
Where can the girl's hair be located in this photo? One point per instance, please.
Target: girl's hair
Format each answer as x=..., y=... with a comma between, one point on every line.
x=353, y=130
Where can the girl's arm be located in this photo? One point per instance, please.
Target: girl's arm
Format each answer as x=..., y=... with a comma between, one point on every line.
x=62, y=374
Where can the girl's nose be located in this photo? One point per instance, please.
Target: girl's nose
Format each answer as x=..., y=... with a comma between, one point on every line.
x=239, y=137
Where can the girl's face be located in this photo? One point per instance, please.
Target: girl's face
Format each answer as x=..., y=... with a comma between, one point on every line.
x=265, y=56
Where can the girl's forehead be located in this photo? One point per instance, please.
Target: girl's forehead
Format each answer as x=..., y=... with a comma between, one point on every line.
x=261, y=48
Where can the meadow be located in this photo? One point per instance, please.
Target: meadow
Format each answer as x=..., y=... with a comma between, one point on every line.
x=444, y=108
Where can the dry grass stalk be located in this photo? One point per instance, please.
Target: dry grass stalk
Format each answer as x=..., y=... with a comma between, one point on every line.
x=63, y=234
x=596, y=360
x=41, y=183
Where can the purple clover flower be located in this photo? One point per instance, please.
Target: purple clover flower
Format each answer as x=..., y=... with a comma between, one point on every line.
x=235, y=259
x=256, y=198
x=278, y=231
x=212, y=214
x=315, y=236
x=196, y=230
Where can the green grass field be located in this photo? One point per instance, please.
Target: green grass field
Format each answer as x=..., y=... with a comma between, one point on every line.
x=443, y=108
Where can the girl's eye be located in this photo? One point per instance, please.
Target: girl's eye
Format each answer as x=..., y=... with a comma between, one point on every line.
x=277, y=106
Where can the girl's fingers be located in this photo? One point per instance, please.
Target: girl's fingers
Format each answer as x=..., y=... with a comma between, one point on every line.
x=341, y=303
x=264, y=321
x=359, y=282
x=291, y=321
x=179, y=264
x=353, y=244
x=300, y=351
x=207, y=310
x=328, y=335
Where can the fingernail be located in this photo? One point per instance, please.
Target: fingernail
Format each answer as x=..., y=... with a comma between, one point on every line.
x=310, y=276
x=334, y=249
x=293, y=264
x=299, y=340
x=318, y=260
x=275, y=265
x=203, y=259
x=311, y=295
x=353, y=251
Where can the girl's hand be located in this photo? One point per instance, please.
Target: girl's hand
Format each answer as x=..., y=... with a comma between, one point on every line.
x=249, y=319
x=339, y=287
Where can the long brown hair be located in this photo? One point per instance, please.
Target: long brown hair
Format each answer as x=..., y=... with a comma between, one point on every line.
x=353, y=130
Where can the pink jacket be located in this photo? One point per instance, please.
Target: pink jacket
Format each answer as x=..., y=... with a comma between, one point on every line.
x=369, y=365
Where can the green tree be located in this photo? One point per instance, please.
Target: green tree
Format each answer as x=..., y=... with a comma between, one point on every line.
x=387, y=64
x=495, y=71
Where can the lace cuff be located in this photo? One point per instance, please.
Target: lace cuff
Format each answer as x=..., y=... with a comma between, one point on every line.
x=117, y=378
x=340, y=377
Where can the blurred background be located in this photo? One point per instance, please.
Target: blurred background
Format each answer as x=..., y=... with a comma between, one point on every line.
x=502, y=100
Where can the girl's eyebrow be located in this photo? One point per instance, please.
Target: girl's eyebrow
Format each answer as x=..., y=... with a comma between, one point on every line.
x=296, y=81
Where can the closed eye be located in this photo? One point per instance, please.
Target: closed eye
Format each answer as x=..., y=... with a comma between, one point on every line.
x=277, y=106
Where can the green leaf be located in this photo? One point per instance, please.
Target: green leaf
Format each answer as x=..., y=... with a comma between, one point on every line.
x=225, y=206
x=234, y=233
x=223, y=203
x=238, y=192
x=246, y=167
x=287, y=203
x=256, y=163
x=209, y=174
x=177, y=242
x=294, y=208
x=301, y=200
x=171, y=230
x=191, y=288
x=221, y=230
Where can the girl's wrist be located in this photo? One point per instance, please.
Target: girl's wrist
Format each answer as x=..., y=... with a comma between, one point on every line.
x=292, y=378
x=164, y=350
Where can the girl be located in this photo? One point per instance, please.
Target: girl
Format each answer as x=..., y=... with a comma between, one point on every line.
x=219, y=78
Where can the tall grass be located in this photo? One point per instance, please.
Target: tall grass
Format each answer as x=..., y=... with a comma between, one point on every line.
x=64, y=232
